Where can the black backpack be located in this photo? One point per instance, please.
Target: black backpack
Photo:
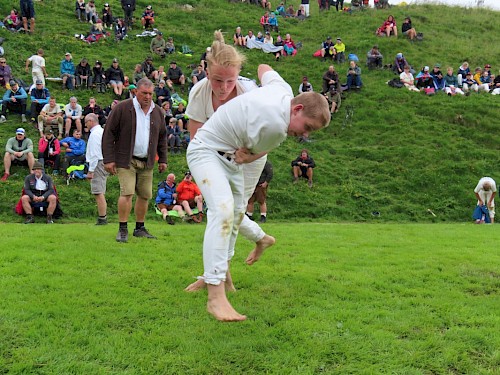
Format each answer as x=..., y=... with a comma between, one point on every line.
x=395, y=82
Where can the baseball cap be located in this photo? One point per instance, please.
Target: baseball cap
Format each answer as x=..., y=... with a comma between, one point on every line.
x=426, y=68
x=39, y=82
x=487, y=66
x=106, y=5
x=67, y=54
x=159, y=33
x=328, y=37
x=339, y=39
x=173, y=62
x=437, y=66
x=149, y=7
x=115, y=60
x=12, y=82
x=162, y=81
x=188, y=173
x=48, y=131
x=20, y=131
x=399, y=55
x=131, y=87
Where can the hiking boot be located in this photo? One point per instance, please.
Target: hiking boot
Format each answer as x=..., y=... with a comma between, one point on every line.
x=5, y=177
x=263, y=219
x=30, y=219
x=310, y=183
x=49, y=219
x=143, y=232
x=101, y=221
x=169, y=220
x=2, y=119
x=23, y=118
x=122, y=235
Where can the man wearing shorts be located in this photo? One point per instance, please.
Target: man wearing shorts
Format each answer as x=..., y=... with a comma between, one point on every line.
x=260, y=193
x=19, y=150
x=96, y=174
x=38, y=71
x=175, y=76
x=189, y=196
x=134, y=134
x=28, y=12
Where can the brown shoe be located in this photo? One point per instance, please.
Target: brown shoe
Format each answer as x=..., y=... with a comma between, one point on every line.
x=195, y=219
x=200, y=217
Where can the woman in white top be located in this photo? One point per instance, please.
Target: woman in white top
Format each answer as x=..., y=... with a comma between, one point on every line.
x=222, y=84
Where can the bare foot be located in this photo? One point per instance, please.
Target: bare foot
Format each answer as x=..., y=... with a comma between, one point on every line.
x=219, y=306
x=262, y=245
x=197, y=285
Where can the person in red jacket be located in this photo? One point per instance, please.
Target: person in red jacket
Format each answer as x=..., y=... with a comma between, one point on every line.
x=189, y=196
x=49, y=150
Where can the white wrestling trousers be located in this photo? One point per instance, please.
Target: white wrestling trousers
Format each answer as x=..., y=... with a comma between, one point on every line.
x=251, y=172
x=222, y=184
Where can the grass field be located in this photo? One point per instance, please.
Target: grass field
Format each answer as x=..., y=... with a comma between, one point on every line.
x=328, y=298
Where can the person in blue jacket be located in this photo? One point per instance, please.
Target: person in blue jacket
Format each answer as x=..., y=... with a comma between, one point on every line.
x=14, y=100
x=39, y=97
x=166, y=198
x=68, y=72
x=75, y=150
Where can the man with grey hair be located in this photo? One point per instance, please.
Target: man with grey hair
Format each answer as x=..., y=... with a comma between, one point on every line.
x=485, y=192
x=96, y=173
x=134, y=134
x=73, y=112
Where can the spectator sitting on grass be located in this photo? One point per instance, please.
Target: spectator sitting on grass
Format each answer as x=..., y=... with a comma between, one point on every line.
x=175, y=76
x=162, y=93
x=328, y=50
x=469, y=84
x=462, y=72
x=115, y=77
x=339, y=49
x=399, y=64
x=264, y=21
x=407, y=79
x=18, y=150
x=424, y=79
x=451, y=83
x=39, y=98
x=73, y=112
x=334, y=99
x=303, y=166
x=437, y=77
x=157, y=45
x=198, y=74
x=138, y=73
x=51, y=114
x=120, y=30
x=374, y=58
x=91, y=12
x=496, y=86
x=38, y=191
x=407, y=29
x=83, y=74
x=289, y=47
x=330, y=79
x=75, y=150
x=485, y=80
x=94, y=108
x=189, y=196
x=67, y=70
x=5, y=73
x=14, y=101
x=174, y=136
x=107, y=16
x=354, y=76
x=49, y=150
x=273, y=23
x=238, y=38
x=166, y=199
x=80, y=10
x=305, y=86
x=148, y=18
x=388, y=28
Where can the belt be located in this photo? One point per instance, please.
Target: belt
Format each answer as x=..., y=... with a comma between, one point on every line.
x=227, y=156
x=144, y=160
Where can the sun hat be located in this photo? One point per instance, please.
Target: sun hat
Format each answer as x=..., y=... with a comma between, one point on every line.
x=37, y=165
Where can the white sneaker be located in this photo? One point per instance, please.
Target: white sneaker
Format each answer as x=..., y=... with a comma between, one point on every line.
x=23, y=118
x=2, y=119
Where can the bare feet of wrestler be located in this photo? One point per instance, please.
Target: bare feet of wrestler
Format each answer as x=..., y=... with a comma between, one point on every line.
x=219, y=306
x=262, y=245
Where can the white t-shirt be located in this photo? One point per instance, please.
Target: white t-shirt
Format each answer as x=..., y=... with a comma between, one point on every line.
x=94, y=151
x=200, y=107
x=38, y=62
x=51, y=111
x=481, y=182
x=141, y=143
x=257, y=120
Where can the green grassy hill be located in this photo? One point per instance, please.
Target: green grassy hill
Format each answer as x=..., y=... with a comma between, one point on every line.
x=400, y=153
